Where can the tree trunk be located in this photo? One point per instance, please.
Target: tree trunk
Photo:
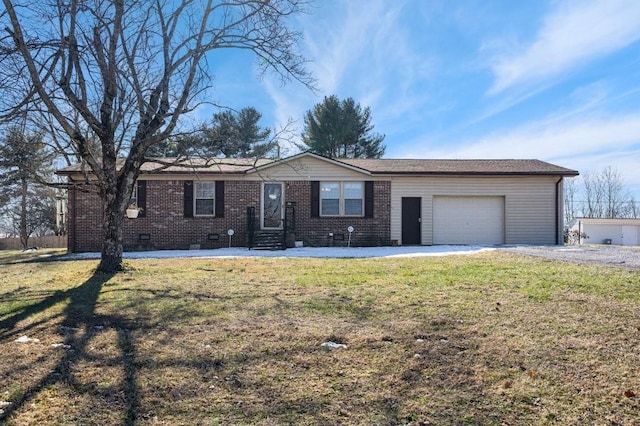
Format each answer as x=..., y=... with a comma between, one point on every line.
x=24, y=232
x=111, y=257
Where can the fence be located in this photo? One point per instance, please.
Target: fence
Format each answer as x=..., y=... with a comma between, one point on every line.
x=50, y=241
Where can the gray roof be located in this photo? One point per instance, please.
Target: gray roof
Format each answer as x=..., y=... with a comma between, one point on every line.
x=372, y=166
x=457, y=167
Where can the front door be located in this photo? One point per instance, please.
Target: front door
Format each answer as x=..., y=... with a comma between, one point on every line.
x=411, y=221
x=272, y=206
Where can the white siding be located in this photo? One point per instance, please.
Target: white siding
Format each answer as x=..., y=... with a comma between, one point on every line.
x=630, y=235
x=626, y=235
x=530, y=203
x=308, y=168
x=599, y=233
x=624, y=232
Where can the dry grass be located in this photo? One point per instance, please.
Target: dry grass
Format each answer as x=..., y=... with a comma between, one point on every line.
x=17, y=256
x=487, y=339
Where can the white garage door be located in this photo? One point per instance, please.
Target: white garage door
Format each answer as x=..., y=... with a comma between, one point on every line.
x=468, y=220
x=630, y=235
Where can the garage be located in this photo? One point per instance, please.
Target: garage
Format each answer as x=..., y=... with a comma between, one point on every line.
x=468, y=220
x=624, y=232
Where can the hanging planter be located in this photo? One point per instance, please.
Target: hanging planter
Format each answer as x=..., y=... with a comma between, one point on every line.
x=133, y=211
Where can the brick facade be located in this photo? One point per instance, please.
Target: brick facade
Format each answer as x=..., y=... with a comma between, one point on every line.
x=165, y=227
x=314, y=231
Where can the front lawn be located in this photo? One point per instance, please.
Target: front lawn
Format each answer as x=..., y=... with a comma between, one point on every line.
x=493, y=338
x=16, y=256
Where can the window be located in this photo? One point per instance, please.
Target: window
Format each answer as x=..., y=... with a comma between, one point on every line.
x=204, y=199
x=329, y=199
x=353, y=198
x=341, y=198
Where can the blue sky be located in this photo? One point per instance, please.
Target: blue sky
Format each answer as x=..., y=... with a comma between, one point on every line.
x=553, y=80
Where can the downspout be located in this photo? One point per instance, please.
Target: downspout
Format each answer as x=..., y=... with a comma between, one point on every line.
x=71, y=218
x=558, y=211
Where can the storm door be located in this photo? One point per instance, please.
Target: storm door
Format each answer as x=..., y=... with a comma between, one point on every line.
x=272, y=205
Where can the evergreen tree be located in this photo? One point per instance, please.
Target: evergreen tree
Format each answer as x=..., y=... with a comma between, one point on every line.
x=27, y=204
x=341, y=129
x=236, y=135
x=230, y=135
x=177, y=146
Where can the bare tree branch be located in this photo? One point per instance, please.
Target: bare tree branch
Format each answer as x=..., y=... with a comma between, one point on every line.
x=116, y=77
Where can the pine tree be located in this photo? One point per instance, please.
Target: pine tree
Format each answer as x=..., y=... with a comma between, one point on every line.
x=27, y=204
x=237, y=135
x=230, y=135
x=341, y=129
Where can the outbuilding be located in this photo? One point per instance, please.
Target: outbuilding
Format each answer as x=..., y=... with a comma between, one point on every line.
x=624, y=232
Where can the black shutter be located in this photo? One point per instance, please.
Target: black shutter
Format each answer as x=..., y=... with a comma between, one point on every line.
x=315, y=198
x=142, y=198
x=188, y=198
x=368, y=198
x=219, y=198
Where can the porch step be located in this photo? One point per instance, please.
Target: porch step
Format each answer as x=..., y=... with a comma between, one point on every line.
x=268, y=240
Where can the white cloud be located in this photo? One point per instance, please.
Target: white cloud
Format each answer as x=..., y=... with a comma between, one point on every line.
x=356, y=43
x=554, y=138
x=370, y=53
x=625, y=162
x=358, y=50
x=574, y=33
x=288, y=111
x=581, y=143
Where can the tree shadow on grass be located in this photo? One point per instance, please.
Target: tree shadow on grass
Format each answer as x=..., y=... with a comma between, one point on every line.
x=30, y=257
x=80, y=323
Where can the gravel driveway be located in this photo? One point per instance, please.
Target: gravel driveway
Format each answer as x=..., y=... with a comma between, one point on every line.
x=618, y=256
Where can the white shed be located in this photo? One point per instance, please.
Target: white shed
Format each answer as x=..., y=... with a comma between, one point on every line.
x=624, y=232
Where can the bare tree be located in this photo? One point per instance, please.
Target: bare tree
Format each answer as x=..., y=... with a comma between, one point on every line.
x=116, y=76
x=605, y=194
x=632, y=209
x=593, y=195
x=614, y=194
x=571, y=210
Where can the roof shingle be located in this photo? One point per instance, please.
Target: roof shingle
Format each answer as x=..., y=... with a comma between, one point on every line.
x=466, y=167
x=373, y=166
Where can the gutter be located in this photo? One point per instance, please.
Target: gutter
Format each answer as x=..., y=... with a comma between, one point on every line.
x=468, y=173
